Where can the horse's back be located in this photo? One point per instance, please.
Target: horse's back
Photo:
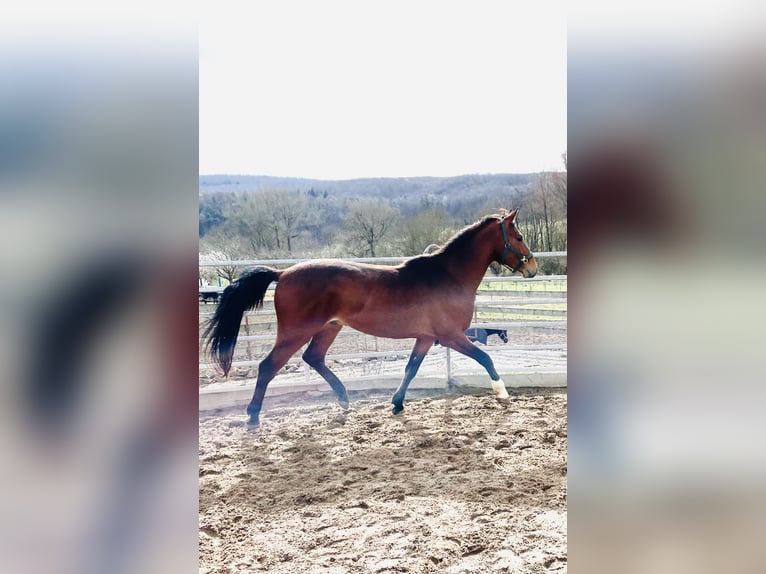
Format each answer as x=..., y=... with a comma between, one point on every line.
x=324, y=274
x=327, y=289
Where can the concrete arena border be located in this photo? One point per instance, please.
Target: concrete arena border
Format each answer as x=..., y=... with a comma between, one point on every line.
x=233, y=394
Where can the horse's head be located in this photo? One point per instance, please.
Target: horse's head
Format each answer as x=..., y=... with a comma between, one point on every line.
x=515, y=254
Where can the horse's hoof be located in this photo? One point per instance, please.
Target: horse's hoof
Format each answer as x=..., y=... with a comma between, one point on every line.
x=344, y=405
x=397, y=409
x=498, y=387
x=503, y=400
x=253, y=422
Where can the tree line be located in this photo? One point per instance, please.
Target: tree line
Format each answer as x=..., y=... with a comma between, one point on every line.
x=274, y=222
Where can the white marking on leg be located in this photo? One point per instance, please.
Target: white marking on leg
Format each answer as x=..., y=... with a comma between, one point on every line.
x=498, y=387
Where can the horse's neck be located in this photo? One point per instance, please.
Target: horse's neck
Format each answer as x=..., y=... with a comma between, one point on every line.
x=469, y=261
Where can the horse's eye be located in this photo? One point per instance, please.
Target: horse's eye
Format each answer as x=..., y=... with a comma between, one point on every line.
x=520, y=238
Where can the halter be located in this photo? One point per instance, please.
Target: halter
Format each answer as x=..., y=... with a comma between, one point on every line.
x=508, y=247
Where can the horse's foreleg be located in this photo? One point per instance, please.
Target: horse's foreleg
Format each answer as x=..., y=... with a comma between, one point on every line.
x=268, y=369
x=315, y=357
x=468, y=349
x=419, y=352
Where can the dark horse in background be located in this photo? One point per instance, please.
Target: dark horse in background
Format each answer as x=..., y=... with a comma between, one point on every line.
x=481, y=335
x=428, y=297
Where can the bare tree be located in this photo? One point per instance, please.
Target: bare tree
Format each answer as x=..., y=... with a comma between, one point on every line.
x=251, y=221
x=267, y=221
x=369, y=222
x=206, y=276
x=285, y=210
x=224, y=271
x=544, y=214
x=224, y=243
x=430, y=226
x=559, y=185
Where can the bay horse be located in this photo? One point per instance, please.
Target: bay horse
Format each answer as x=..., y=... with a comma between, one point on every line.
x=427, y=297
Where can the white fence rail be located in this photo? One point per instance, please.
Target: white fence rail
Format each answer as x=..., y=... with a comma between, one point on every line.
x=379, y=260
x=532, y=311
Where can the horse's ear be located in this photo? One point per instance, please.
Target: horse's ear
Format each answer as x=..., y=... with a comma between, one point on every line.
x=512, y=214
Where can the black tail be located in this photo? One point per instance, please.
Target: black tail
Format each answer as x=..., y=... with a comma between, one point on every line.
x=245, y=293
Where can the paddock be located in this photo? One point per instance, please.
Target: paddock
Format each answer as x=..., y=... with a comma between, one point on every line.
x=459, y=482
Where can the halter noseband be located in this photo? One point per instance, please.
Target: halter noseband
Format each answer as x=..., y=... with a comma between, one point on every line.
x=508, y=247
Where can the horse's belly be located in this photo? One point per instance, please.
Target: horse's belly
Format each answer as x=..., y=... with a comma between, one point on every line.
x=406, y=323
x=387, y=331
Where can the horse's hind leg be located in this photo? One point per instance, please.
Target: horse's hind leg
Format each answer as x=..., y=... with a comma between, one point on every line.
x=267, y=370
x=419, y=352
x=464, y=346
x=315, y=357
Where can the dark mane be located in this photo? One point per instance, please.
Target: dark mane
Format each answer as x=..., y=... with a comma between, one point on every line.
x=466, y=235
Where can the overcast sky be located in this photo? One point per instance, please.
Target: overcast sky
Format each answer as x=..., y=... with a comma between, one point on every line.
x=343, y=89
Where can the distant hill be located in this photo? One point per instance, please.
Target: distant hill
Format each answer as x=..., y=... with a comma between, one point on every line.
x=392, y=188
x=462, y=197
x=312, y=216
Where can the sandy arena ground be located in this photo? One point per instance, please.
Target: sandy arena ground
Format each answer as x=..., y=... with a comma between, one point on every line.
x=457, y=483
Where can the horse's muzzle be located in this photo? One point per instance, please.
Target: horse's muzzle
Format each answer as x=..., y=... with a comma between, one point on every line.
x=530, y=268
